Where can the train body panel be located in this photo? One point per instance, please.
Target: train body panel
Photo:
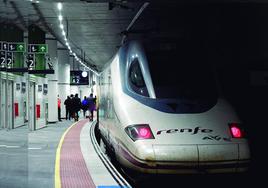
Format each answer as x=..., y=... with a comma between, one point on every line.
x=193, y=137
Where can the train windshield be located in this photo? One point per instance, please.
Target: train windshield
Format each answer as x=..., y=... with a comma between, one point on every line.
x=179, y=71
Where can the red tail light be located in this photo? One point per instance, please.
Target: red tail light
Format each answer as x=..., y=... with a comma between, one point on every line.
x=236, y=130
x=139, y=132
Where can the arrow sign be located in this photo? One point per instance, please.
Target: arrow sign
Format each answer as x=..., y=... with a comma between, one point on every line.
x=20, y=47
x=42, y=48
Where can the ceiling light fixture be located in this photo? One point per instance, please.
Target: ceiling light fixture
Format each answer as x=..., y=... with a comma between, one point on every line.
x=59, y=6
x=84, y=74
x=60, y=17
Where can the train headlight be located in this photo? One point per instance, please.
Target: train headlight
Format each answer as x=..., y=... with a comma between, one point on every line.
x=236, y=130
x=139, y=132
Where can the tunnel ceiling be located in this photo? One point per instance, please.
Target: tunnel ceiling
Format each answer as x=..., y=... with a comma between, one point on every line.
x=94, y=26
x=93, y=29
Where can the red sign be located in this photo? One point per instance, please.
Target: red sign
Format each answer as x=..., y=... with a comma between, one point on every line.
x=16, y=109
x=37, y=111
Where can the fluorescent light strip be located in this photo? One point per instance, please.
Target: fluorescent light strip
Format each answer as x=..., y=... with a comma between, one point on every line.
x=60, y=17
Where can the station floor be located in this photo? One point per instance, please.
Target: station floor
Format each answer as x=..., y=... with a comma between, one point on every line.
x=14, y=157
x=55, y=156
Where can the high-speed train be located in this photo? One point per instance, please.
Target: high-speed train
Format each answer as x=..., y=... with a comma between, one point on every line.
x=161, y=112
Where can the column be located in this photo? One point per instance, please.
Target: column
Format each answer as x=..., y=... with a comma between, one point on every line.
x=52, y=82
x=63, y=77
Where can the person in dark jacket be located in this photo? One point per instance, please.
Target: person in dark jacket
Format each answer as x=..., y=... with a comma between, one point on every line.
x=67, y=104
x=72, y=106
x=91, y=106
x=76, y=106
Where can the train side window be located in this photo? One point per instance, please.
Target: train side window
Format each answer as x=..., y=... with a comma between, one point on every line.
x=136, y=79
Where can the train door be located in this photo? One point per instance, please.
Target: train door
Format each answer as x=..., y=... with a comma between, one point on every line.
x=31, y=112
x=10, y=104
x=3, y=104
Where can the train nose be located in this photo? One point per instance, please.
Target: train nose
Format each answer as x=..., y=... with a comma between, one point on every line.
x=146, y=153
x=219, y=152
x=196, y=153
x=172, y=153
x=192, y=158
x=209, y=157
x=182, y=155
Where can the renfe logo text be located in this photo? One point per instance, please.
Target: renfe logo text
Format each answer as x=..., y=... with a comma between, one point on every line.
x=189, y=130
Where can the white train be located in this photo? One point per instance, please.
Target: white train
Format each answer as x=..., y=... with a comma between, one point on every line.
x=161, y=112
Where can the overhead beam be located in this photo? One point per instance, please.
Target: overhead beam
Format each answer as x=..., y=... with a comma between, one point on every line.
x=19, y=15
x=134, y=20
x=43, y=21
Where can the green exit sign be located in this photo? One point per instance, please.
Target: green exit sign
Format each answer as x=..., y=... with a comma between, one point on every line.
x=38, y=48
x=20, y=47
x=16, y=47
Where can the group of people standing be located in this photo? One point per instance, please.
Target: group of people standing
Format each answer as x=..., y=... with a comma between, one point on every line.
x=73, y=105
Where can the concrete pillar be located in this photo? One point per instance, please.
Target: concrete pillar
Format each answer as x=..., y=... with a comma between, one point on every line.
x=52, y=82
x=63, y=77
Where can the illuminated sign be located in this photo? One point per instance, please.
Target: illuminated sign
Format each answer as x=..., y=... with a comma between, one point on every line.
x=16, y=47
x=38, y=48
x=78, y=78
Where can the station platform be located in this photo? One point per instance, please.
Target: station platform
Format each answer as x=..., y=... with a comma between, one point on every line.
x=14, y=157
x=65, y=154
